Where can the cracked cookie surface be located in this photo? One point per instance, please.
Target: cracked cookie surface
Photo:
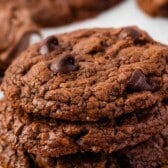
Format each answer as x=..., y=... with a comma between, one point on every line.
x=88, y=75
x=150, y=154
x=48, y=137
x=10, y=158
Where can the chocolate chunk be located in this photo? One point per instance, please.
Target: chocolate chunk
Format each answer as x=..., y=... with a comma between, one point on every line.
x=132, y=33
x=129, y=32
x=138, y=82
x=50, y=44
x=64, y=64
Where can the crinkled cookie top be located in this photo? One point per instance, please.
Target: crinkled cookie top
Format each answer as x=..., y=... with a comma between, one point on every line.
x=90, y=74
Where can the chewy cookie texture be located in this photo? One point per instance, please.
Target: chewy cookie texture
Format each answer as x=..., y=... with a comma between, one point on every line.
x=154, y=7
x=10, y=158
x=92, y=98
x=48, y=13
x=16, y=29
x=152, y=153
x=55, y=138
x=89, y=75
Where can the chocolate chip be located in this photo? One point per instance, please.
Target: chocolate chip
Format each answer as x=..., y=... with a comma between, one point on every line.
x=64, y=64
x=138, y=82
x=129, y=32
x=49, y=45
x=134, y=34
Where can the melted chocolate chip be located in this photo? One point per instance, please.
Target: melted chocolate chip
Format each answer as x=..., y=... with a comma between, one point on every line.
x=50, y=44
x=64, y=64
x=129, y=32
x=138, y=82
x=134, y=34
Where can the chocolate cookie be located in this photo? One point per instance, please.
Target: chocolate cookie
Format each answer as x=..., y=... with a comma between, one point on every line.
x=48, y=13
x=151, y=154
x=10, y=158
x=90, y=74
x=154, y=7
x=16, y=30
x=52, y=138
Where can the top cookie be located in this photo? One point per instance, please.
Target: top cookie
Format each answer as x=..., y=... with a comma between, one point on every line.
x=154, y=7
x=48, y=13
x=89, y=75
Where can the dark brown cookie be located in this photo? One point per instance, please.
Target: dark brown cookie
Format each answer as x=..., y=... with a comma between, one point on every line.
x=154, y=7
x=88, y=75
x=85, y=160
x=16, y=30
x=10, y=158
x=48, y=13
x=52, y=138
x=151, y=154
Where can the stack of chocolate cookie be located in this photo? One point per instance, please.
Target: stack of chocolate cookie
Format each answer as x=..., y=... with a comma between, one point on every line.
x=93, y=98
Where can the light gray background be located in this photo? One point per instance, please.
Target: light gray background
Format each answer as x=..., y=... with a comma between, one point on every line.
x=125, y=14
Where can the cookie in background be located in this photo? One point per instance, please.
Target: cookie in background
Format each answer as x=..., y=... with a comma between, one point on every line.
x=17, y=29
x=47, y=13
x=154, y=7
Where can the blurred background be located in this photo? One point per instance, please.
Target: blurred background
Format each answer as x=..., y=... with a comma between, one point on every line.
x=124, y=14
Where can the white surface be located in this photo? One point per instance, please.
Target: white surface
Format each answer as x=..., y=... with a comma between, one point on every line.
x=125, y=14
